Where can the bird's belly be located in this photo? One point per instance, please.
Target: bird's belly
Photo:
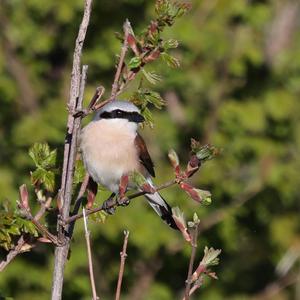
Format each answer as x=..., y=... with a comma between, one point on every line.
x=110, y=158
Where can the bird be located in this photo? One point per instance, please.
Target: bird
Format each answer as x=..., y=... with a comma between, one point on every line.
x=111, y=148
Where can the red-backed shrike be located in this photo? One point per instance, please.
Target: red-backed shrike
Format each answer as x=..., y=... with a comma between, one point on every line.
x=112, y=148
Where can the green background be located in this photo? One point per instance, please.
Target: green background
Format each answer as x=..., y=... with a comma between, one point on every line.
x=238, y=88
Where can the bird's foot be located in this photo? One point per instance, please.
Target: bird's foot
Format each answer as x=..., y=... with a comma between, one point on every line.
x=123, y=201
x=109, y=205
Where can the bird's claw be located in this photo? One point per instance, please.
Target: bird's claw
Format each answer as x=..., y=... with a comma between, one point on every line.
x=108, y=207
x=123, y=201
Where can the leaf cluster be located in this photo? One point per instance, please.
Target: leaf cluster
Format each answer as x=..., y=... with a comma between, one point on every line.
x=149, y=46
x=45, y=162
x=12, y=225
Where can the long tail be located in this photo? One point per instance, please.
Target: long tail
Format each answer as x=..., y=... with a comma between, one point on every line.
x=162, y=208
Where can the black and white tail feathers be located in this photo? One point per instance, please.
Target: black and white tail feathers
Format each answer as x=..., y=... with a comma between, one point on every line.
x=162, y=208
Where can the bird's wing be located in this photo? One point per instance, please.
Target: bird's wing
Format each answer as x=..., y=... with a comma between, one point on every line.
x=144, y=156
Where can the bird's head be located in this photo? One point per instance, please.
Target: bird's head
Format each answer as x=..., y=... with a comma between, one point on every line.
x=120, y=112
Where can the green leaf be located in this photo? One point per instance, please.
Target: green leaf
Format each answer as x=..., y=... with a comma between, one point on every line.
x=49, y=180
x=152, y=77
x=205, y=152
x=135, y=62
x=79, y=172
x=171, y=61
x=14, y=230
x=142, y=98
x=137, y=178
x=210, y=257
x=28, y=227
x=42, y=156
x=169, y=44
x=196, y=218
x=45, y=177
x=155, y=99
x=45, y=161
x=148, y=117
x=98, y=217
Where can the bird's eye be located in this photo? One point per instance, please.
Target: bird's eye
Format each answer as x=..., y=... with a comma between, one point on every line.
x=118, y=112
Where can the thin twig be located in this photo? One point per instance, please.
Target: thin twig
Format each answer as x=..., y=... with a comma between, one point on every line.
x=114, y=203
x=115, y=85
x=89, y=251
x=195, y=287
x=93, y=105
x=43, y=230
x=123, y=255
x=191, y=264
x=13, y=253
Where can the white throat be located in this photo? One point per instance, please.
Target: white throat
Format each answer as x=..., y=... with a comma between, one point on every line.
x=117, y=124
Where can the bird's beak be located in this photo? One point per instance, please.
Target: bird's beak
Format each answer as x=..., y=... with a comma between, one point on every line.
x=138, y=118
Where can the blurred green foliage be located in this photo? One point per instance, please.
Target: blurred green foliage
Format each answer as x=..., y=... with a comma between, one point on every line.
x=238, y=87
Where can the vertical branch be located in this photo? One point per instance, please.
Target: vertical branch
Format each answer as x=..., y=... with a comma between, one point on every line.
x=122, y=264
x=89, y=251
x=191, y=264
x=73, y=126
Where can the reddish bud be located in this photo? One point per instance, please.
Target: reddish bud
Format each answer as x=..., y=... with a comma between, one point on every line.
x=132, y=44
x=152, y=56
x=131, y=75
x=198, y=195
x=26, y=247
x=181, y=223
x=193, y=166
x=190, y=190
x=173, y=157
x=44, y=240
x=201, y=269
x=24, y=197
x=153, y=27
x=211, y=274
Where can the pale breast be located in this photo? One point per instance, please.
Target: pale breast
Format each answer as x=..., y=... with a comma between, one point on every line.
x=108, y=151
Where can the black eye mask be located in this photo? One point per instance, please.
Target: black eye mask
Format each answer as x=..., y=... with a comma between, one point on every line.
x=132, y=116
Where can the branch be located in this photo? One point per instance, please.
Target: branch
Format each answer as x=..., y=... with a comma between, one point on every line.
x=194, y=288
x=114, y=203
x=122, y=263
x=116, y=90
x=73, y=127
x=89, y=251
x=124, y=49
x=191, y=264
x=42, y=229
x=13, y=253
x=94, y=103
